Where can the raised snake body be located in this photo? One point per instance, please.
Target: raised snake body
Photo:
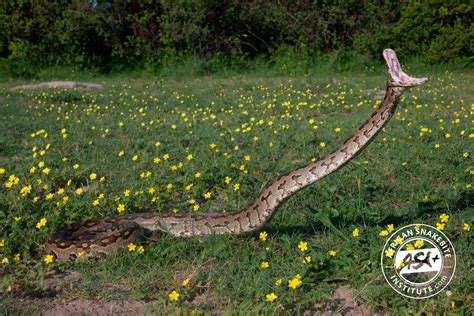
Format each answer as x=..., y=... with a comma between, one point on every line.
x=96, y=237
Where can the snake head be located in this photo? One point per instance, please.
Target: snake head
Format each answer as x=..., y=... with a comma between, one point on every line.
x=396, y=76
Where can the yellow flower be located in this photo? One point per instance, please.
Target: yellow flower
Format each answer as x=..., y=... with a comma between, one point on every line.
x=166, y=156
x=264, y=265
x=16, y=258
x=322, y=144
x=2, y=170
x=49, y=196
x=121, y=208
x=173, y=296
x=303, y=246
x=390, y=228
x=278, y=282
x=140, y=249
x=444, y=218
x=197, y=175
x=41, y=223
x=332, y=253
x=419, y=243
x=213, y=146
x=185, y=282
x=189, y=157
x=126, y=192
x=17, y=218
x=41, y=164
x=32, y=170
x=132, y=247
x=436, y=146
x=389, y=252
x=447, y=135
x=401, y=265
x=236, y=187
x=263, y=235
x=25, y=190
x=93, y=176
x=399, y=240
x=5, y=260
x=2, y=243
x=207, y=195
x=295, y=283
x=271, y=297
x=307, y=259
x=227, y=180
x=121, y=153
x=337, y=129
x=440, y=226
x=48, y=259
x=135, y=158
x=426, y=199
x=46, y=170
x=410, y=247
x=355, y=232
x=467, y=227
x=79, y=191
x=383, y=233
x=76, y=166
x=465, y=155
x=96, y=202
x=248, y=158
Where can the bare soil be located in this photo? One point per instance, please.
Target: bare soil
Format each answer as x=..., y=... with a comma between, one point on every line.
x=60, y=85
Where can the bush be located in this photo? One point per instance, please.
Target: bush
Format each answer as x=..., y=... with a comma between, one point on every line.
x=112, y=35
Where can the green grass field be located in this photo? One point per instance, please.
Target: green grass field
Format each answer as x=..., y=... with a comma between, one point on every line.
x=209, y=144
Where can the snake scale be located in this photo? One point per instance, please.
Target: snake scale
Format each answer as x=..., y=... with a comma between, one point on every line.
x=97, y=237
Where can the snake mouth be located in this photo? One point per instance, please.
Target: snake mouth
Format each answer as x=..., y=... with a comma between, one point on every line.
x=398, y=78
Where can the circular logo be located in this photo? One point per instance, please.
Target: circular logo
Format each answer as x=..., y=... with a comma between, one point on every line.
x=418, y=261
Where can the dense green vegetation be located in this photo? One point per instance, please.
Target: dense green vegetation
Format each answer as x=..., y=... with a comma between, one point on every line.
x=113, y=35
x=150, y=144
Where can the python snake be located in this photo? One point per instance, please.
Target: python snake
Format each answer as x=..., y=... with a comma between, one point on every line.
x=97, y=237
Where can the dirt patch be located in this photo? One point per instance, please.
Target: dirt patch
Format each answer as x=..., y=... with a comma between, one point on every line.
x=58, y=281
x=86, y=307
x=60, y=85
x=342, y=302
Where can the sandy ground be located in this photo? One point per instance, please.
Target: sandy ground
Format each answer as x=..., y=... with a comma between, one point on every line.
x=59, y=85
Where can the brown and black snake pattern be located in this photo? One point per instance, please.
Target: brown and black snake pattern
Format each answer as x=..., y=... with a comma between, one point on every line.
x=97, y=237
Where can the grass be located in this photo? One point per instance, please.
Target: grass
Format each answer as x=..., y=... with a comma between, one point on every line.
x=261, y=125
